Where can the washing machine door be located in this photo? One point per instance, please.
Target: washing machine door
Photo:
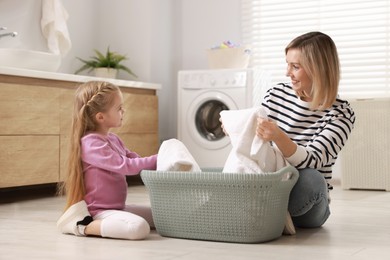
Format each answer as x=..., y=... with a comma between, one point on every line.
x=203, y=119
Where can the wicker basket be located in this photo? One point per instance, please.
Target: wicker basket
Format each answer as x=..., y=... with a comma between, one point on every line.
x=241, y=208
x=229, y=58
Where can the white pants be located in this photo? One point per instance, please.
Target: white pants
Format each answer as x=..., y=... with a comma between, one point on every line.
x=132, y=223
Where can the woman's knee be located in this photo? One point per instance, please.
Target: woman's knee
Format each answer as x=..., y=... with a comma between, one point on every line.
x=314, y=218
x=310, y=190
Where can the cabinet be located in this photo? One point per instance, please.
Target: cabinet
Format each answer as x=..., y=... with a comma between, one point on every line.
x=35, y=116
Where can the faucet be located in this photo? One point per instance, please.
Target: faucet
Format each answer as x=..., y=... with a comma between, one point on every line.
x=12, y=34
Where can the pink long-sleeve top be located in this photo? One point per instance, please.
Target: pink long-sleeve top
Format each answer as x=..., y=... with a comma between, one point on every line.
x=106, y=162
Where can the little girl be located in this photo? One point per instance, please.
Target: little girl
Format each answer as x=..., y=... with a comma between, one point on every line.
x=96, y=186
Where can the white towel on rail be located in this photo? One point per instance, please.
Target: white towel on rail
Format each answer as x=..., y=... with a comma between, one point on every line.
x=173, y=155
x=249, y=153
x=54, y=27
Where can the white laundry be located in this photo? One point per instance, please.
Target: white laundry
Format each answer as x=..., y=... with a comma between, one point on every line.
x=174, y=156
x=249, y=154
x=54, y=28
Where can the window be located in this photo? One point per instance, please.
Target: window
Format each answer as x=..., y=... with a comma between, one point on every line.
x=360, y=29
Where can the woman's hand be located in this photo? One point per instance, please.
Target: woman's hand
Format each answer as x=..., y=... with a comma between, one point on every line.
x=267, y=129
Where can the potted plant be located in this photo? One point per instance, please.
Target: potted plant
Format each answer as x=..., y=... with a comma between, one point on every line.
x=105, y=65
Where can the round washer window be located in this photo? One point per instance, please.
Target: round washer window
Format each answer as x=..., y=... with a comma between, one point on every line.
x=207, y=120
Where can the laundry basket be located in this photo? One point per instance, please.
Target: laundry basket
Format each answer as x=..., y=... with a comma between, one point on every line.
x=229, y=207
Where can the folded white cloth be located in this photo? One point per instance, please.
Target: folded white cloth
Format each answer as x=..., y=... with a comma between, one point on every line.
x=249, y=154
x=174, y=156
x=54, y=28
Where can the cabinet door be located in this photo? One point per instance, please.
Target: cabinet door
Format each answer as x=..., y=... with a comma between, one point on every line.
x=139, y=130
x=66, y=110
x=64, y=154
x=28, y=160
x=143, y=144
x=141, y=114
x=28, y=110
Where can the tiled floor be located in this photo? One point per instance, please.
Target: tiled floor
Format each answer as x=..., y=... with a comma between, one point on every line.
x=359, y=228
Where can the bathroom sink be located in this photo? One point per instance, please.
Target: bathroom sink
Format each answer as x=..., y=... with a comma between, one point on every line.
x=29, y=59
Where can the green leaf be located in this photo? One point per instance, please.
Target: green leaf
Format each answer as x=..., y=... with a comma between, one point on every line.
x=109, y=60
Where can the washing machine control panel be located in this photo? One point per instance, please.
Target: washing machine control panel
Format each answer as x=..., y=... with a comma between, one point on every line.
x=213, y=79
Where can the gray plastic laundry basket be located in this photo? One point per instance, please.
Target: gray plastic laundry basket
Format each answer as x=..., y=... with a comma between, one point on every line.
x=229, y=207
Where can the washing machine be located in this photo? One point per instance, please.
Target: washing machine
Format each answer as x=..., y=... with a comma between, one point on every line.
x=202, y=95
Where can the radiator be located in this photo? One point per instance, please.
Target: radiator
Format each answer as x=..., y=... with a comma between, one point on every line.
x=365, y=158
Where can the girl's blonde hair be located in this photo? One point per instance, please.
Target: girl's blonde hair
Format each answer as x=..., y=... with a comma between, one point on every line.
x=90, y=98
x=320, y=60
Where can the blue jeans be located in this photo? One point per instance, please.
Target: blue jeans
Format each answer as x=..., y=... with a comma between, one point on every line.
x=308, y=204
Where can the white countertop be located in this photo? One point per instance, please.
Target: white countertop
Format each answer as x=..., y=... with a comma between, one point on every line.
x=74, y=78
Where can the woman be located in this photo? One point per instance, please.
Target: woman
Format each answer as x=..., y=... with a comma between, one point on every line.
x=309, y=123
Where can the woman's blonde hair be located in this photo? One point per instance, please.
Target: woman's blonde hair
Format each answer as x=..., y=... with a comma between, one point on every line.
x=90, y=98
x=320, y=60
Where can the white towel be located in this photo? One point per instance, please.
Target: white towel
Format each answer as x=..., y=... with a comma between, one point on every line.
x=174, y=156
x=54, y=28
x=249, y=154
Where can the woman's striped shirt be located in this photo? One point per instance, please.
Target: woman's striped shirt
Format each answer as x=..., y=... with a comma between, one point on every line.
x=320, y=134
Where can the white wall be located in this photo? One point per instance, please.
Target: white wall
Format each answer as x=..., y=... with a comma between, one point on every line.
x=23, y=17
x=82, y=30
x=205, y=24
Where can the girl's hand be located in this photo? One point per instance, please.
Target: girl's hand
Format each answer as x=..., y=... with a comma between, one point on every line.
x=267, y=129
